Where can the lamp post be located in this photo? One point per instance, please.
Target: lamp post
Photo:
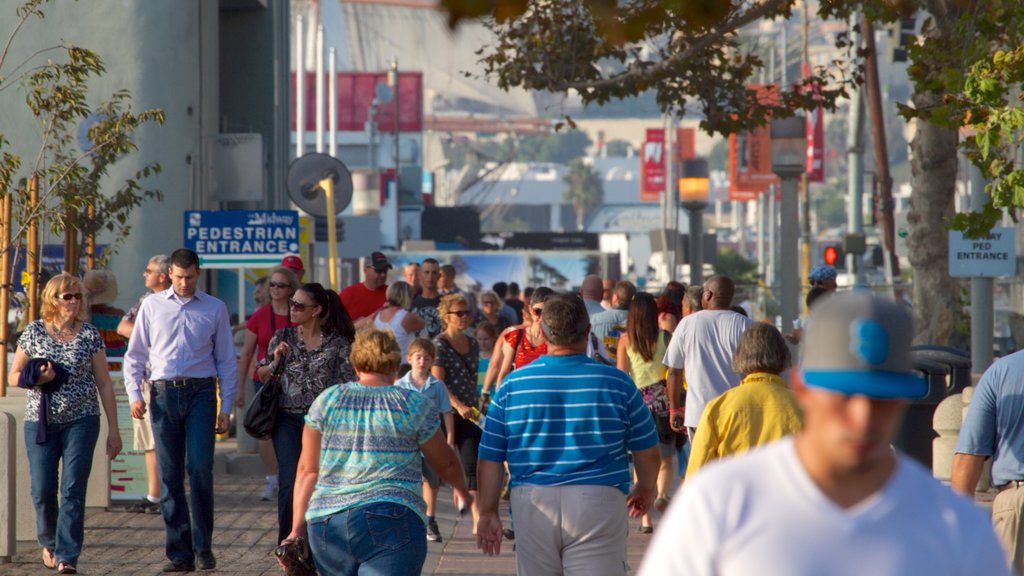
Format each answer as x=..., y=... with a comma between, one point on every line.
x=694, y=190
x=789, y=161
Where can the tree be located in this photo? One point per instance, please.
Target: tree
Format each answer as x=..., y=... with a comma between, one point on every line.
x=585, y=192
x=618, y=148
x=732, y=264
x=71, y=181
x=965, y=60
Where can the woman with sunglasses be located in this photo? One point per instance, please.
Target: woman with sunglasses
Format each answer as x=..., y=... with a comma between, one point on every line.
x=526, y=343
x=309, y=355
x=260, y=327
x=456, y=366
x=61, y=360
x=490, y=311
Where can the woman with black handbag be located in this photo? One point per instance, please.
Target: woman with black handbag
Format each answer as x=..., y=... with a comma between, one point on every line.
x=308, y=357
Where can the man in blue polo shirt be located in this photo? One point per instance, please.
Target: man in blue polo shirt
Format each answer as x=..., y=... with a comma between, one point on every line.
x=565, y=424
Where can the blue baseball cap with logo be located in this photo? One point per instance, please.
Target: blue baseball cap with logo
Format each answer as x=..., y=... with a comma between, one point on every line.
x=859, y=344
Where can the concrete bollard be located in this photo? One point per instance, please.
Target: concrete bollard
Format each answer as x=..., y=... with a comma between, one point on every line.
x=8, y=495
x=946, y=421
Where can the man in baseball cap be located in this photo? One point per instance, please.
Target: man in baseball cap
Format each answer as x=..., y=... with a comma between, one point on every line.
x=836, y=498
x=365, y=298
x=295, y=263
x=823, y=275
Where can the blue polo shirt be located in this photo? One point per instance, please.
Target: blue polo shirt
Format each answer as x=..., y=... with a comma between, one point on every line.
x=432, y=388
x=567, y=420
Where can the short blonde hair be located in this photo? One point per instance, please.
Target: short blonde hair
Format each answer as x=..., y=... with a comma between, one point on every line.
x=445, y=306
x=376, y=352
x=289, y=275
x=61, y=284
x=399, y=294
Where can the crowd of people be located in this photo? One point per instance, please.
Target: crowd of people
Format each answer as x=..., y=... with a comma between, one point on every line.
x=581, y=408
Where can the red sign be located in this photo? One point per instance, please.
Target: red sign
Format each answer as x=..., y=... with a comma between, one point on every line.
x=686, y=144
x=355, y=95
x=652, y=166
x=750, y=157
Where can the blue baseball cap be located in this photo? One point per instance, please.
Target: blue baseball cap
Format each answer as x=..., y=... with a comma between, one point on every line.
x=822, y=272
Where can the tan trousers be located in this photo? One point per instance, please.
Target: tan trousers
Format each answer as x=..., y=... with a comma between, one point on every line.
x=1006, y=520
x=570, y=530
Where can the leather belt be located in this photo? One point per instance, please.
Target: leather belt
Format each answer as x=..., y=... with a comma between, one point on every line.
x=1012, y=484
x=181, y=382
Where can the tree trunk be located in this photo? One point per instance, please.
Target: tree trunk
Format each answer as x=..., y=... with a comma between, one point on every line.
x=934, y=166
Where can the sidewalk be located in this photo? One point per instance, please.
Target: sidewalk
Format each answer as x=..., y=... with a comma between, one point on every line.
x=122, y=543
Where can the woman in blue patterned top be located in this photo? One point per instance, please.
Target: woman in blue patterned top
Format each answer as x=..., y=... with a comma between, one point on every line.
x=62, y=426
x=357, y=491
x=308, y=357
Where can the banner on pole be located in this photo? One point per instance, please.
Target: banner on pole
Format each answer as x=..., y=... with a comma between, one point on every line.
x=750, y=156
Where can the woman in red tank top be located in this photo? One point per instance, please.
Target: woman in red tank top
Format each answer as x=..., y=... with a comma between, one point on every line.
x=526, y=343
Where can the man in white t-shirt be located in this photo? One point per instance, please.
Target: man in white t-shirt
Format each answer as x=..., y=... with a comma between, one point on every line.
x=836, y=498
x=701, y=351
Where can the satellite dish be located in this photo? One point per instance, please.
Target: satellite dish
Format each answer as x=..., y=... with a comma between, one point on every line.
x=382, y=92
x=304, y=176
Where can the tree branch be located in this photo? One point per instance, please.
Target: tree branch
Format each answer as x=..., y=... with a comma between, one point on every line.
x=635, y=72
x=10, y=39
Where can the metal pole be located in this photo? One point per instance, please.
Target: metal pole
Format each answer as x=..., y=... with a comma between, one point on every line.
x=332, y=104
x=300, y=88
x=805, y=219
x=772, y=231
x=789, y=292
x=394, y=155
x=672, y=195
x=90, y=238
x=319, y=60
x=71, y=241
x=855, y=160
x=982, y=314
x=762, y=220
x=332, y=232
x=696, y=213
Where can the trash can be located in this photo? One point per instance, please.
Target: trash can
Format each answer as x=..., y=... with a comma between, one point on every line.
x=916, y=432
x=958, y=361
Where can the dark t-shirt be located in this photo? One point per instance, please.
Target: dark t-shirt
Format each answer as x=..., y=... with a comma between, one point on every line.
x=516, y=305
x=426, y=308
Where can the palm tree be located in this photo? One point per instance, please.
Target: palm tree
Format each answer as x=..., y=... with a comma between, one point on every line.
x=586, y=191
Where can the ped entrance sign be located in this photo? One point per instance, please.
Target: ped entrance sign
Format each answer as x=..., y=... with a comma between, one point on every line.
x=991, y=255
x=242, y=238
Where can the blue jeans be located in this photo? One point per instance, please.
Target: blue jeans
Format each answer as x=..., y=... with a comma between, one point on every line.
x=61, y=528
x=287, y=439
x=377, y=539
x=184, y=423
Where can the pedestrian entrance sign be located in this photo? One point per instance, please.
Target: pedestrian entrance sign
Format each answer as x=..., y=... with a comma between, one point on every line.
x=992, y=255
x=242, y=238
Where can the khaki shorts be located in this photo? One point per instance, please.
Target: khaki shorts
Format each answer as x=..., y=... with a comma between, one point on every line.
x=142, y=439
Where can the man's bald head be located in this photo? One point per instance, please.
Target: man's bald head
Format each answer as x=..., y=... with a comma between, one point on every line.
x=718, y=293
x=592, y=287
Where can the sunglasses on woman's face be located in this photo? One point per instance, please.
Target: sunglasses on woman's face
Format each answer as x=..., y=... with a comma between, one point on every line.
x=71, y=296
x=459, y=313
x=537, y=311
x=277, y=284
x=300, y=306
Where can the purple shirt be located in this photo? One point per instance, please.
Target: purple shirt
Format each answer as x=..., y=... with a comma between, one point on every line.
x=176, y=339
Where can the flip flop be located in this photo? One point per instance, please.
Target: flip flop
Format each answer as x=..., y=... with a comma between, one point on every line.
x=49, y=559
x=65, y=568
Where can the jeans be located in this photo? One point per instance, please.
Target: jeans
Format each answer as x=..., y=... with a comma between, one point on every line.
x=377, y=539
x=184, y=422
x=69, y=447
x=287, y=439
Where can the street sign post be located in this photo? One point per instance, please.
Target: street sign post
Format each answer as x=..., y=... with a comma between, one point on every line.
x=992, y=255
x=241, y=238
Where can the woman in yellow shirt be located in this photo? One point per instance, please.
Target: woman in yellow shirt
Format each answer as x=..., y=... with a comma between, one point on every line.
x=761, y=409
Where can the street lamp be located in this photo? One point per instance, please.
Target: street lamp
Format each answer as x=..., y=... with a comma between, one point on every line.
x=694, y=190
x=789, y=161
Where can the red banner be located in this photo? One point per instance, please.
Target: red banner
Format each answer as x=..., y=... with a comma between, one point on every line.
x=686, y=144
x=356, y=91
x=652, y=166
x=750, y=156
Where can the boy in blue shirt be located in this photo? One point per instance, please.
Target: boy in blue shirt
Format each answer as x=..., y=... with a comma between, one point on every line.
x=420, y=356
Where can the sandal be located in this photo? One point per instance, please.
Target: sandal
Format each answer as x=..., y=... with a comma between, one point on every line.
x=49, y=559
x=661, y=504
x=646, y=530
x=65, y=568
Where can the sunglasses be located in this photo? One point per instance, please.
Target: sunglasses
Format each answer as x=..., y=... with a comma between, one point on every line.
x=300, y=306
x=71, y=296
x=460, y=313
x=489, y=303
x=537, y=311
x=278, y=284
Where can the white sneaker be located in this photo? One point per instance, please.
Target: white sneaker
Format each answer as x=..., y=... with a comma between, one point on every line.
x=269, y=491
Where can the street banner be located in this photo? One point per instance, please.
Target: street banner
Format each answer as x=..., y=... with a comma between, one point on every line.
x=750, y=156
x=652, y=166
x=685, y=145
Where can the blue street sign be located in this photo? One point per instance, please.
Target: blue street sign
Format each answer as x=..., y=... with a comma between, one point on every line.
x=241, y=238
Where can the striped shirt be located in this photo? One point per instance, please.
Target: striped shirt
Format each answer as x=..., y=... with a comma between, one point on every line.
x=567, y=420
x=370, y=447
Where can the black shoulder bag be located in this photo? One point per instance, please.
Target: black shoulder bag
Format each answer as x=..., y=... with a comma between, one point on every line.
x=261, y=414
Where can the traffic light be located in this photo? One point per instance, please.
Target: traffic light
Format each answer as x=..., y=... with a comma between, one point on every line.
x=834, y=256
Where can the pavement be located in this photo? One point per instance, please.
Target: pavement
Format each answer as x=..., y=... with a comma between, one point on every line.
x=244, y=537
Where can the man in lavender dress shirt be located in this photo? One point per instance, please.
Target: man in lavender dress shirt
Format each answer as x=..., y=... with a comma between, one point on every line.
x=184, y=337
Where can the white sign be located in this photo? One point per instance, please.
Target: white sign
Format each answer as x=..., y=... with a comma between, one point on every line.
x=991, y=255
